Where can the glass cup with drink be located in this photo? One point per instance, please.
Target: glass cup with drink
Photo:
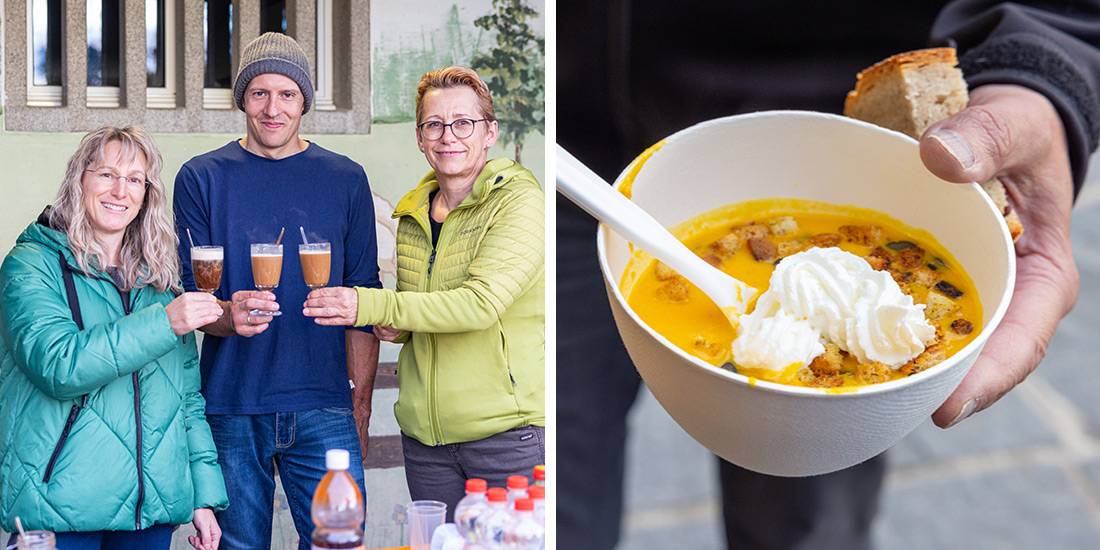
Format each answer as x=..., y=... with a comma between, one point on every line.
x=267, y=267
x=316, y=263
x=206, y=265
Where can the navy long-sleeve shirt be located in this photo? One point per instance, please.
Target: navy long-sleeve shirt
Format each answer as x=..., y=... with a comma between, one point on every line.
x=232, y=197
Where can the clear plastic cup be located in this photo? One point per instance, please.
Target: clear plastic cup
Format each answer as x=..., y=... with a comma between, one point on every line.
x=424, y=517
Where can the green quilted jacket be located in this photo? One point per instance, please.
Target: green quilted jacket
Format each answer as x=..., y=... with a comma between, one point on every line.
x=139, y=452
x=473, y=361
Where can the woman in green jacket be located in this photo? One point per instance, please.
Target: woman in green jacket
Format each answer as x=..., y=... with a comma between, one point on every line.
x=103, y=435
x=469, y=302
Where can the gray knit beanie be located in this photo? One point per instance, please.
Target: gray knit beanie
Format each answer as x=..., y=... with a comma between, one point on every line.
x=274, y=52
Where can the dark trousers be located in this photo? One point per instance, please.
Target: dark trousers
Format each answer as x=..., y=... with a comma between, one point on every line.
x=597, y=384
x=440, y=473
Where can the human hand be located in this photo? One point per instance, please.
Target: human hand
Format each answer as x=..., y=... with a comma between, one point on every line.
x=192, y=310
x=208, y=533
x=1015, y=134
x=332, y=306
x=248, y=325
x=361, y=408
x=388, y=334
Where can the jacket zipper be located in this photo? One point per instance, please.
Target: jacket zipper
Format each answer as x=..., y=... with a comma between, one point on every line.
x=73, y=413
x=137, y=432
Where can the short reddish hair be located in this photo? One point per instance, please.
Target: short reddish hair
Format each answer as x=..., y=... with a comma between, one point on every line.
x=452, y=77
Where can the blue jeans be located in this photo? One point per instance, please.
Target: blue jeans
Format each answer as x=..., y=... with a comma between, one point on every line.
x=157, y=537
x=250, y=447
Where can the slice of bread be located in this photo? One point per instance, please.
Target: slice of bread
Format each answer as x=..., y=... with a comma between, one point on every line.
x=911, y=91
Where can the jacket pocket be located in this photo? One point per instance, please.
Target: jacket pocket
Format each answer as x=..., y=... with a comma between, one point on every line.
x=507, y=362
x=73, y=413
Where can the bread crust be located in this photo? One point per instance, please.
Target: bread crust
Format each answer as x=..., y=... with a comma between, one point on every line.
x=888, y=79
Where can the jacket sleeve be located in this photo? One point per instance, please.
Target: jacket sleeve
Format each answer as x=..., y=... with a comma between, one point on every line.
x=1052, y=48
x=58, y=358
x=509, y=261
x=206, y=474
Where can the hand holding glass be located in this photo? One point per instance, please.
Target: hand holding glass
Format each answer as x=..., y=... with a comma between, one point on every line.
x=267, y=267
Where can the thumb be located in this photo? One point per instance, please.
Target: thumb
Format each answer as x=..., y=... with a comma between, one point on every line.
x=997, y=131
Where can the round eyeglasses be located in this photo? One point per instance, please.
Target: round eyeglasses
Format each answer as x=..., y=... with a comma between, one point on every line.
x=106, y=177
x=461, y=128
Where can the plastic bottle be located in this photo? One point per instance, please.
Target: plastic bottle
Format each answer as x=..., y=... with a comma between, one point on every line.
x=473, y=506
x=539, y=475
x=538, y=494
x=497, y=521
x=526, y=533
x=337, y=506
x=517, y=489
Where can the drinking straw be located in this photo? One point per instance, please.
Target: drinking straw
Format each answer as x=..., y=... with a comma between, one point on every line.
x=304, y=239
x=280, y=237
x=189, y=237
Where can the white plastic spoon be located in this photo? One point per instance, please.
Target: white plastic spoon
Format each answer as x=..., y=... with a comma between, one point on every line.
x=582, y=186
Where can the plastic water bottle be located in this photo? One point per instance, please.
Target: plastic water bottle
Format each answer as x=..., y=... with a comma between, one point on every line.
x=472, y=507
x=539, y=475
x=517, y=489
x=526, y=533
x=493, y=525
x=538, y=494
x=337, y=506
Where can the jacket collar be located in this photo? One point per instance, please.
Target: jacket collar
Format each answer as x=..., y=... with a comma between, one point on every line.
x=496, y=173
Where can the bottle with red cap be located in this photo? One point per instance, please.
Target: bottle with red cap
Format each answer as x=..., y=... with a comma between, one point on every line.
x=538, y=495
x=492, y=526
x=539, y=475
x=338, y=506
x=517, y=489
x=525, y=533
x=471, y=508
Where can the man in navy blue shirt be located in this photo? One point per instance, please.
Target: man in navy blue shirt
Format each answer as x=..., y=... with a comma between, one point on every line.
x=277, y=387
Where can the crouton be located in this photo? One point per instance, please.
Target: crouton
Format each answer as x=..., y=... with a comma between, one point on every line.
x=925, y=277
x=930, y=357
x=911, y=257
x=962, y=327
x=710, y=350
x=865, y=235
x=877, y=263
x=713, y=259
x=674, y=290
x=726, y=246
x=872, y=373
x=827, y=363
x=825, y=240
x=786, y=248
x=751, y=231
x=663, y=272
x=939, y=306
x=784, y=225
x=948, y=289
x=763, y=249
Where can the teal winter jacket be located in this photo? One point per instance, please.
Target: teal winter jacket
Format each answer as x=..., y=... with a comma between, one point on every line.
x=139, y=452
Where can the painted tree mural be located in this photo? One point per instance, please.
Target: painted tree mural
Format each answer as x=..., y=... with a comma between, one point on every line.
x=513, y=70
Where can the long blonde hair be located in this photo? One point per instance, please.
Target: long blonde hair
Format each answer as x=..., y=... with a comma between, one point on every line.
x=148, y=254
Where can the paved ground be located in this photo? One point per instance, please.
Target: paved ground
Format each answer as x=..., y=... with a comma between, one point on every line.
x=1024, y=474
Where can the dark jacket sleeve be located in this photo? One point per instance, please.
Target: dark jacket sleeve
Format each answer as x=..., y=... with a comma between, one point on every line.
x=1050, y=47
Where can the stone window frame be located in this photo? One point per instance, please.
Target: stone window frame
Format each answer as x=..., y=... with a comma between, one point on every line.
x=348, y=25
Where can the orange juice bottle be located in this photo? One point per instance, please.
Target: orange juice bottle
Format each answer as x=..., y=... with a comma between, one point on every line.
x=338, y=506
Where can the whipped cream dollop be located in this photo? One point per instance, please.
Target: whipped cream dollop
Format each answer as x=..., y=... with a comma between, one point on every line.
x=827, y=294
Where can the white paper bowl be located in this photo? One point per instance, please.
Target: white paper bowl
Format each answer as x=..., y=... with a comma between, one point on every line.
x=786, y=430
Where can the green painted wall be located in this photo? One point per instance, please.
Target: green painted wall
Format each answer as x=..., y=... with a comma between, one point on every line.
x=32, y=164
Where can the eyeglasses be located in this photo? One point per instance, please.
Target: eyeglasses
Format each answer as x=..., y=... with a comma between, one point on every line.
x=106, y=177
x=461, y=128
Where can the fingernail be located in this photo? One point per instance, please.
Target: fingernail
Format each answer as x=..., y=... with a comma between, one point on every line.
x=967, y=410
x=955, y=146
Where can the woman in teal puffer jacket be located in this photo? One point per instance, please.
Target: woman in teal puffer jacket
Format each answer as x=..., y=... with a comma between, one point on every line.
x=103, y=434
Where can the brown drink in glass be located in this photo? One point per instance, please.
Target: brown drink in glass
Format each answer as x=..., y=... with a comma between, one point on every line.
x=316, y=263
x=206, y=265
x=267, y=267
